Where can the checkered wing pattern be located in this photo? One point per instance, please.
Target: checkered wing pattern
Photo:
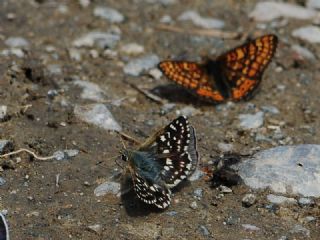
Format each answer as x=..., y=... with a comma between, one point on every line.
x=177, y=146
x=151, y=193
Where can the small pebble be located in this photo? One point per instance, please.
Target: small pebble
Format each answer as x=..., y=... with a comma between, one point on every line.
x=201, y=21
x=300, y=230
x=136, y=66
x=5, y=146
x=155, y=73
x=17, y=42
x=2, y=181
x=97, y=228
x=225, y=147
x=107, y=187
x=204, y=230
x=250, y=227
x=3, y=113
x=280, y=199
x=100, y=39
x=132, y=49
x=305, y=202
x=251, y=121
x=225, y=189
x=65, y=154
x=97, y=114
x=198, y=193
x=172, y=213
x=308, y=33
x=249, y=199
x=109, y=14
x=194, y=205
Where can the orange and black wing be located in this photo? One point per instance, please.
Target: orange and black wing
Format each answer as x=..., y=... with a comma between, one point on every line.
x=191, y=76
x=243, y=66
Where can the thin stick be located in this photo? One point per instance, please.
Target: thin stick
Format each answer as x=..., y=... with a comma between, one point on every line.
x=126, y=136
x=148, y=94
x=203, y=32
x=28, y=151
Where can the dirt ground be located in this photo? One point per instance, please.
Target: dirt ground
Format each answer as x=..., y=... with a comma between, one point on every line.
x=38, y=208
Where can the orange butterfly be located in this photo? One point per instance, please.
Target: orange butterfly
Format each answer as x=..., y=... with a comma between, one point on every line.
x=234, y=75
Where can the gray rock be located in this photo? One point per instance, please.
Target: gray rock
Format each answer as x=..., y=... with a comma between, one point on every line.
x=292, y=169
x=90, y=90
x=280, y=199
x=188, y=111
x=17, y=42
x=65, y=154
x=2, y=181
x=310, y=219
x=136, y=66
x=99, y=39
x=13, y=51
x=75, y=54
x=84, y=3
x=303, y=202
x=268, y=11
x=270, y=109
x=97, y=228
x=225, y=189
x=198, y=193
x=109, y=14
x=163, y=2
x=172, y=213
x=167, y=107
x=106, y=188
x=194, y=205
x=3, y=113
x=300, y=230
x=251, y=121
x=303, y=52
x=5, y=146
x=250, y=227
x=97, y=114
x=155, y=73
x=132, y=49
x=201, y=21
x=249, y=199
x=166, y=19
x=308, y=33
x=313, y=4
x=196, y=175
x=225, y=147
x=204, y=230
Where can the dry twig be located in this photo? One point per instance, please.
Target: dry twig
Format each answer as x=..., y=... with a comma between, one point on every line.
x=28, y=151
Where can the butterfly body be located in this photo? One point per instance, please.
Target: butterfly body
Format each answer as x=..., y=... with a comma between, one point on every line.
x=162, y=162
x=235, y=75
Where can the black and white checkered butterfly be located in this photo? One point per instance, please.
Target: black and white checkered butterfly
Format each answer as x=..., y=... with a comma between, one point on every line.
x=162, y=162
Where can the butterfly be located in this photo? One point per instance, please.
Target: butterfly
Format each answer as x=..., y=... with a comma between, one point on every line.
x=162, y=162
x=4, y=232
x=234, y=75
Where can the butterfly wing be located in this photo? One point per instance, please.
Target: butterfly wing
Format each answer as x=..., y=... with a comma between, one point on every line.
x=243, y=66
x=176, y=151
x=149, y=192
x=193, y=77
x=4, y=232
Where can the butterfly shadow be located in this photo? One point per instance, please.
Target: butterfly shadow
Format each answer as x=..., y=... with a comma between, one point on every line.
x=226, y=173
x=133, y=206
x=177, y=94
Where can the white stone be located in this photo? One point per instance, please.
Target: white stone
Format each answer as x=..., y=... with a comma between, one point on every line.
x=276, y=199
x=97, y=114
x=136, y=66
x=90, y=90
x=201, y=21
x=267, y=11
x=100, y=39
x=313, y=4
x=16, y=42
x=251, y=121
x=109, y=14
x=285, y=169
x=303, y=52
x=3, y=112
x=132, y=49
x=107, y=187
x=309, y=33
